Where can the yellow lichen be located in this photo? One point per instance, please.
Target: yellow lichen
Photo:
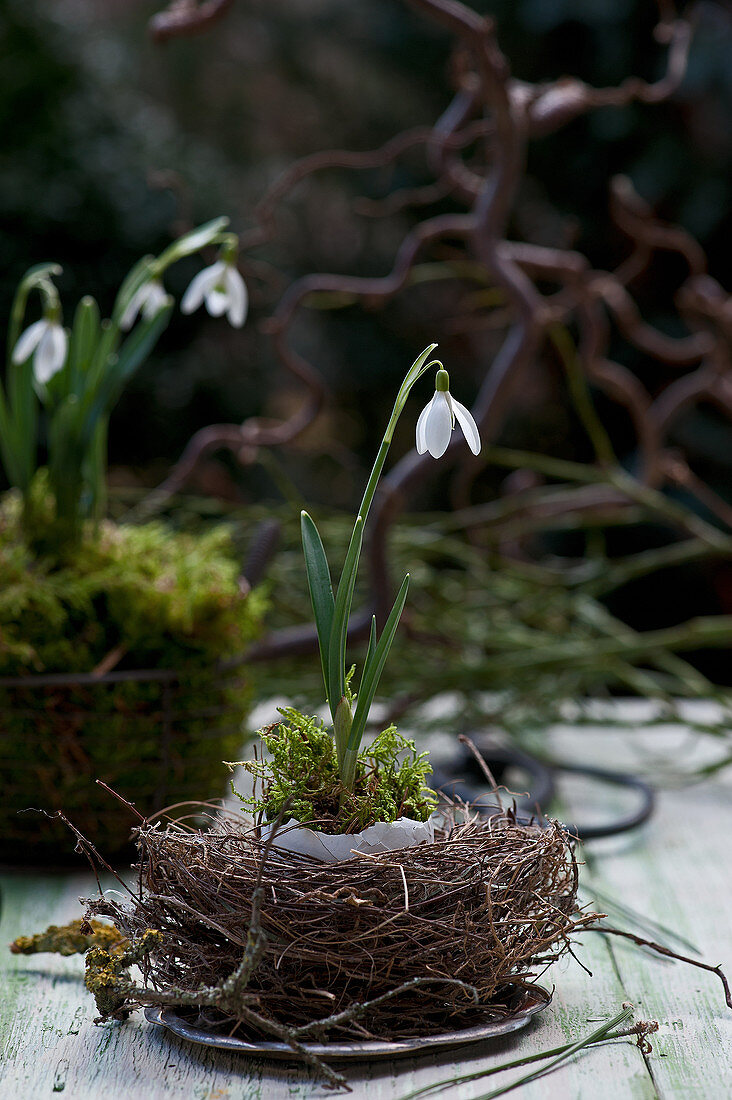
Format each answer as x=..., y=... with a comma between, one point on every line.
x=74, y=938
x=106, y=972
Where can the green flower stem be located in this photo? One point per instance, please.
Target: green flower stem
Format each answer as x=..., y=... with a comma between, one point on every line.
x=334, y=660
x=212, y=232
x=35, y=279
x=417, y=369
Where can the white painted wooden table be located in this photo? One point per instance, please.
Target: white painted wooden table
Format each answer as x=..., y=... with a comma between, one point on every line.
x=677, y=870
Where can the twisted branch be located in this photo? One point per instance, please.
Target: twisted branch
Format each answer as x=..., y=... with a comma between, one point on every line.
x=494, y=116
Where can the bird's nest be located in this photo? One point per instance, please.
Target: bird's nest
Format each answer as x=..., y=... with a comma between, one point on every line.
x=415, y=941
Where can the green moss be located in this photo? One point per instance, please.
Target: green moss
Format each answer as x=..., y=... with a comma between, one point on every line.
x=143, y=598
x=301, y=777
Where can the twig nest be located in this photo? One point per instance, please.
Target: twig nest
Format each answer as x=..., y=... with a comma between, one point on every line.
x=472, y=916
x=384, y=836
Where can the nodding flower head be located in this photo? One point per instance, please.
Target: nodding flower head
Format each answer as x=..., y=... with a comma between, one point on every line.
x=223, y=290
x=437, y=421
x=148, y=300
x=47, y=342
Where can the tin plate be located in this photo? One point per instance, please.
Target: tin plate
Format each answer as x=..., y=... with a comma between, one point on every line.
x=527, y=1004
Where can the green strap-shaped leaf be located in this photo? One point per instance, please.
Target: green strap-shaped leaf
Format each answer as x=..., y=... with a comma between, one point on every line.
x=370, y=650
x=94, y=470
x=341, y=614
x=85, y=335
x=83, y=342
x=23, y=413
x=101, y=361
x=374, y=667
x=65, y=458
x=8, y=453
x=321, y=589
x=138, y=345
x=110, y=379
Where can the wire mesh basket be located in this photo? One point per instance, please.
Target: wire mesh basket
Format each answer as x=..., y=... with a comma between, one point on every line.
x=157, y=737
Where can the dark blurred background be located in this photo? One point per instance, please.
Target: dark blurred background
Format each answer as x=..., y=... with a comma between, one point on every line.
x=111, y=143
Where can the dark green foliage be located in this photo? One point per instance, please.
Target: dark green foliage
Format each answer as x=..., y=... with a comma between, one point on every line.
x=301, y=776
x=147, y=599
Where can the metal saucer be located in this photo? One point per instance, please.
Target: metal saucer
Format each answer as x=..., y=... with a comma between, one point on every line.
x=528, y=1004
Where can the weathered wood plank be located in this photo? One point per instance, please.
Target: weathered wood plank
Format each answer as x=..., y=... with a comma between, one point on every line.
x=684, y=880
x=677, y=871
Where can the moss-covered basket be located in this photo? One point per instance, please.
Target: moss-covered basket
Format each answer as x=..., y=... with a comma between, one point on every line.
x=110, y=669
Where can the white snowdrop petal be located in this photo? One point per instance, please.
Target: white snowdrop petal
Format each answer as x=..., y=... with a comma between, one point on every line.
x=29, y=340
x=132, y=308
x=200, y=286
x=238, y=297
x=194, y=294
x=60, y=345
x=217, y=302
x=438, y=426
x=465, y=419
x=50, y=354
x=421, y=442
x=155, y=299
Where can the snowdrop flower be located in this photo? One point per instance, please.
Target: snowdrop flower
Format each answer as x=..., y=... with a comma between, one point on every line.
x=148, y=300
x=47, y=342
x=437, y=421
x=223, y=290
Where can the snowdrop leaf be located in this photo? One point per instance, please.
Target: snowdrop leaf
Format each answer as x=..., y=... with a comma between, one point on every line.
x=371, y=649
x=138, y=345
x=19, y=425
x=341, y=614
x=321, y=589
x=111, y=371
x=85, y=336
x=372, y=673
x=65, y=454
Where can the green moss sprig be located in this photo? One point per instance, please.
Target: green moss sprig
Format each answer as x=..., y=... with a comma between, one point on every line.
x=301, y=776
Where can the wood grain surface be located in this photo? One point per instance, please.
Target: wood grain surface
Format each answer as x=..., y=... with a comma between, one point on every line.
x=676, y=870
